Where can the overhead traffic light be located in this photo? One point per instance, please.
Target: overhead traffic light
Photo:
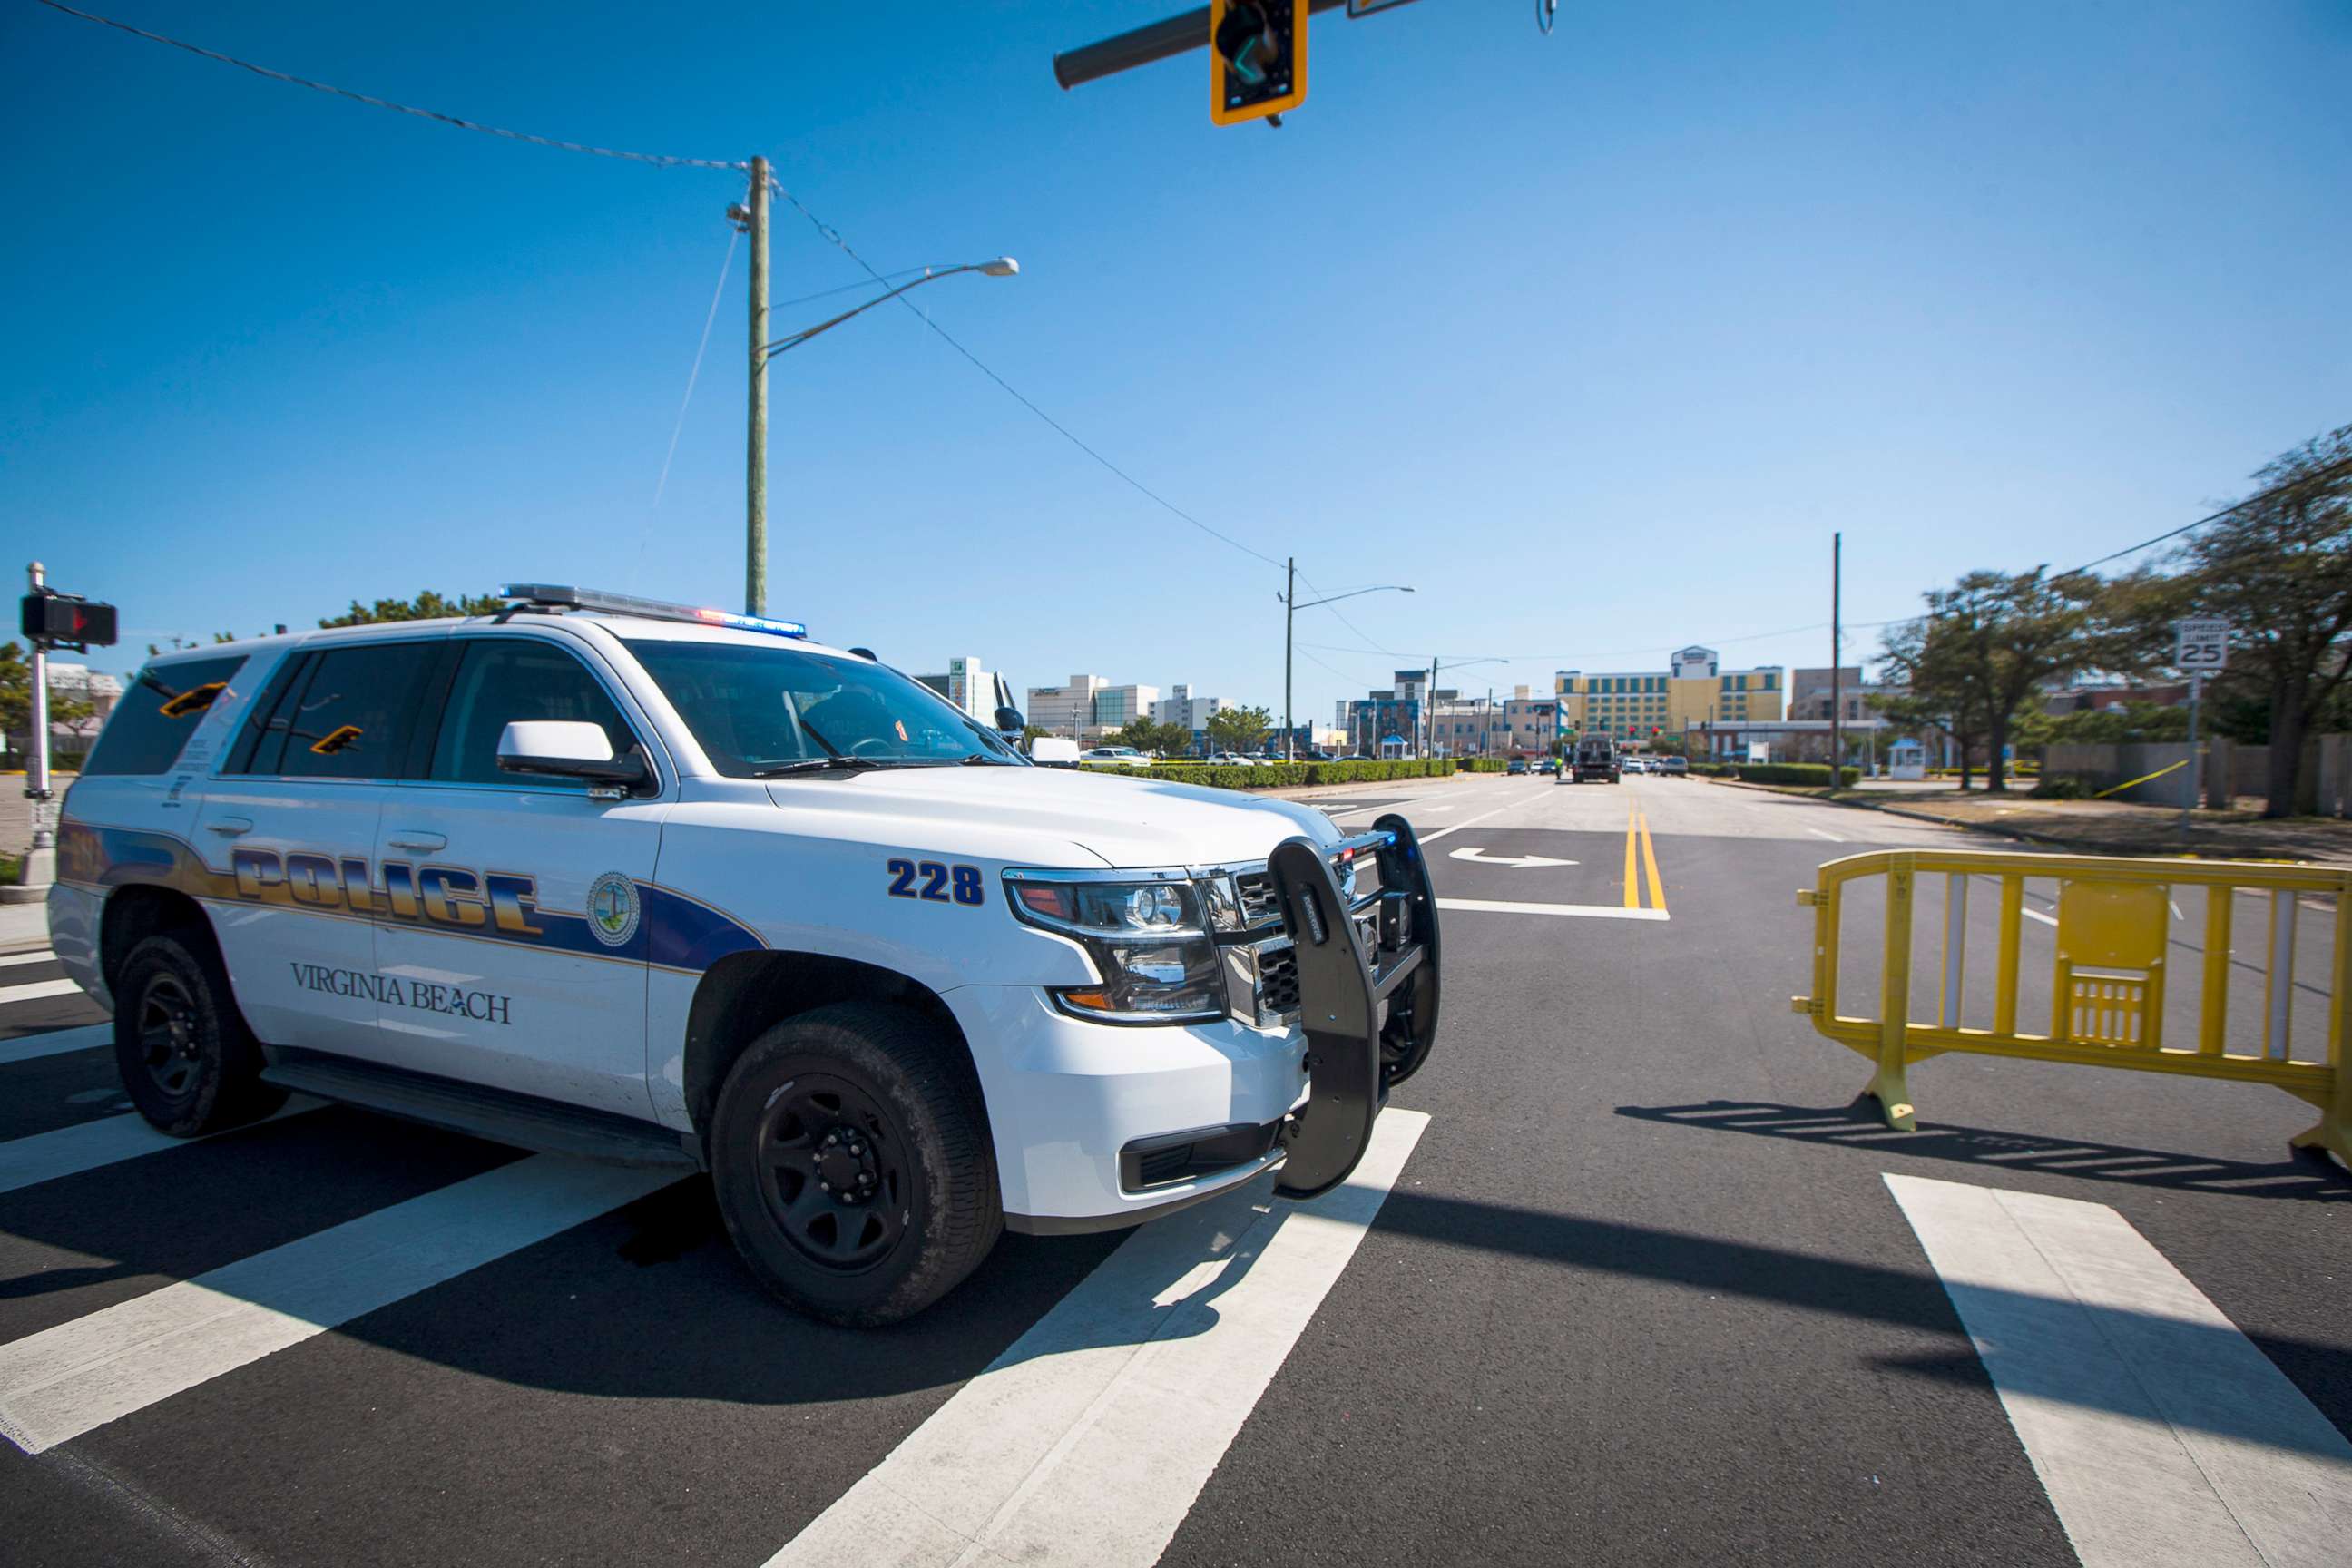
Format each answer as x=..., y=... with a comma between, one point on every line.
x=61, y=620
x=1257, y=59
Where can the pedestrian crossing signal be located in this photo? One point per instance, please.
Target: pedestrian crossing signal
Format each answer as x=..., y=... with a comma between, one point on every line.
x=1257, y=60
x=60, y=620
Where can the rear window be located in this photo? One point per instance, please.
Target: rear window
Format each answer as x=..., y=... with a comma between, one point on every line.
x=158, y=714
x=348, y=717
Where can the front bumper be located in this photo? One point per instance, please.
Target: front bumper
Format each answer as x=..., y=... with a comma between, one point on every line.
x=1067, y=1099
x=1100, y=1125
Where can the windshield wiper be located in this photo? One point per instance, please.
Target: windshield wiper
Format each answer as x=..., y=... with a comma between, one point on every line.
x=817, y=766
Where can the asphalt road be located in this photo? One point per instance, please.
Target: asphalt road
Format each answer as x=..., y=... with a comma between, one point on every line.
x=1638, y=1290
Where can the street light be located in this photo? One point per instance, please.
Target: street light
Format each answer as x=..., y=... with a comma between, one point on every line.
x=1289, y=610
x=755, y=583
x=1002, y=266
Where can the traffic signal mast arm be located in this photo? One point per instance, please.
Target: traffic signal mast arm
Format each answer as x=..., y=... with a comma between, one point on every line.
x=1154, y=41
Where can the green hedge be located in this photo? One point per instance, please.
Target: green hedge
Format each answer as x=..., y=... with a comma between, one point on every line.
x=1484, y=764
x=1815, y=774
x=1278, y=775
x=1715, y=770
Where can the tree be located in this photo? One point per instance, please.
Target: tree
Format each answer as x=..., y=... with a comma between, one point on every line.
x=1151, y=735
x=2278, y=568
x=16, y=697
x=427, y=606
x=1239, y=728
x=1987, y=647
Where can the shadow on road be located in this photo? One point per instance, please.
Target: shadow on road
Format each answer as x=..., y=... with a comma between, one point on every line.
x=1858, y=1126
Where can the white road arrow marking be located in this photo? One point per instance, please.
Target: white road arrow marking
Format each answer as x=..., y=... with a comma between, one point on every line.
x=1472, y=852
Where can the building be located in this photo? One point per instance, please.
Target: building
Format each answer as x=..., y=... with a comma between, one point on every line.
x=969, y=684
x=1389, y=724
x=1694, y=693
x=1088, y=707
x=1180, y=707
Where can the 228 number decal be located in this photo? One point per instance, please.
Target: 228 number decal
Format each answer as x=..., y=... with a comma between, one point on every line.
x=933, y=881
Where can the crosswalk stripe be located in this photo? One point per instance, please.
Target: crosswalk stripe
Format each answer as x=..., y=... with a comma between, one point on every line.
x=39, y=989
x=63, y=1381
x=39, y=955
x=69, y=1151
x=1088, y=1440
x=2163, y=1436
x=56, y=1042
x=1589, y=911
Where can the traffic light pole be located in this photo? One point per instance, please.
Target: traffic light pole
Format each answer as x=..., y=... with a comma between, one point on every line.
x=41, y=860
x=1837, y=694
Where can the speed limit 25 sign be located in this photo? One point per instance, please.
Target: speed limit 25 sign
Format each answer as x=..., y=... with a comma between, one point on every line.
x=2203, y=646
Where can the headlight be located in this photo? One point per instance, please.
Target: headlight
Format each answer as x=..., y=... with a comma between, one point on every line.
x=1147, y=939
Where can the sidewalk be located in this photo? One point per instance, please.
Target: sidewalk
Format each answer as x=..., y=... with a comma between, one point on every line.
x=2117, y=828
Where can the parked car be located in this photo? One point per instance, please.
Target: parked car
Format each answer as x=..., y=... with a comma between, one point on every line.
x=1549, y=766
x=1114, y=757
x=1674, y=767
x=1517, y=765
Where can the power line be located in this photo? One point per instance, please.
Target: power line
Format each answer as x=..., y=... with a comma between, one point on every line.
x=660, y=160
x=832, y=234
x=2330, y=471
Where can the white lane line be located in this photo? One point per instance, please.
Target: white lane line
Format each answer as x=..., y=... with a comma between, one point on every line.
x=11, y=960
x=37, y=990
x=1593, y=912
x=2038, y=915
x=63, y=1381
x=1084, y=1445
x=1469, y=822
x=1820, y=833
x=70, y=1151
x=2161, y=1434
x=56, y=1042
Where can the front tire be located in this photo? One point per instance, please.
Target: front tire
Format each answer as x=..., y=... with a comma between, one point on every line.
x=851, y=1160
x=188, y=1062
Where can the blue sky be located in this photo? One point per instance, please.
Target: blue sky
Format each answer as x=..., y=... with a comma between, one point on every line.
x=1593, y=339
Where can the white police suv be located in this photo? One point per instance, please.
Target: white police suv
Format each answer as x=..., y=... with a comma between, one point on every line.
x=641, y=882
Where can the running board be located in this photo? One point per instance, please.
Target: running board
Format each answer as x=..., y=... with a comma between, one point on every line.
x=498, y=1115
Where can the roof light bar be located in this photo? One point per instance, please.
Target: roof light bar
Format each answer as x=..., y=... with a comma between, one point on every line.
x=553, y=597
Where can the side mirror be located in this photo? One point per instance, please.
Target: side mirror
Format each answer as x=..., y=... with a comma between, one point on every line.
x=570, y=749
x=1009, y=725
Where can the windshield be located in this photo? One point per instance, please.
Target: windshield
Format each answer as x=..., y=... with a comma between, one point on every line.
x=757, y=710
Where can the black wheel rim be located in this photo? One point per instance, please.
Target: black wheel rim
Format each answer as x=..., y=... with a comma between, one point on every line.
x=834, y=1172
x=169, y=1045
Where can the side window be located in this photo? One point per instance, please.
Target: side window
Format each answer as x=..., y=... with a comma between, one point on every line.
x=156, y=716
x=350, y=719
x=505, y=679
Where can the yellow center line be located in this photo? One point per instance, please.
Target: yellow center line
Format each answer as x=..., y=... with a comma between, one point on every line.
x=1649, y=862
x=1632, y=888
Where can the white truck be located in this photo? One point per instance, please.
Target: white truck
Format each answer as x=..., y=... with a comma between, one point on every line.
x=643, y=882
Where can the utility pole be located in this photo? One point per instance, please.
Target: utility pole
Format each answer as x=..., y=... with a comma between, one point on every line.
x=1289, y=613
x=755, y=467
x=1428, y=707
x=1837, y=642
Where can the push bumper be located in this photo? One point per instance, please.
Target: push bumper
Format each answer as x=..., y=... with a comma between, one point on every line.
x=1367, y=993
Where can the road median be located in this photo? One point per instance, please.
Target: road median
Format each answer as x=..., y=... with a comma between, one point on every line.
x=2106, y=827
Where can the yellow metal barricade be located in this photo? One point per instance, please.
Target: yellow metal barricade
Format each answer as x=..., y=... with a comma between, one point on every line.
x=2109, y=976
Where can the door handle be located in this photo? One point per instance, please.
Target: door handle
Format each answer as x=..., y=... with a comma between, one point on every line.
x=230, y=827
x=413, y=838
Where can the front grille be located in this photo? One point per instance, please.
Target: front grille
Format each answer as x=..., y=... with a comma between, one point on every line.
x=1259, y=904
